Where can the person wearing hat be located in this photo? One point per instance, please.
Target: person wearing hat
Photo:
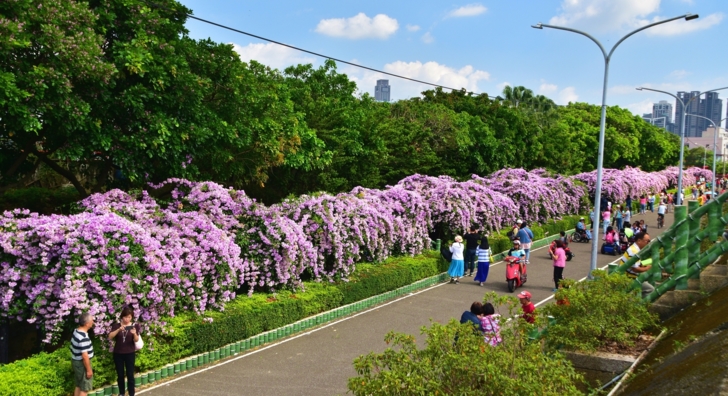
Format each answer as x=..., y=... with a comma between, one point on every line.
x=529, y=310
x=516, y=250
x=457, y=264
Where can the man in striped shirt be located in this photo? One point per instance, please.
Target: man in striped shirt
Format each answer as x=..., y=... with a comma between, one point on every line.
x=82, y=351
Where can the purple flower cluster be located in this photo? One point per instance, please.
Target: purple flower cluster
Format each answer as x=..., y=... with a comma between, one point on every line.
x=618, y=184
x=697, y=173
x=537, y=197
x=203, y=243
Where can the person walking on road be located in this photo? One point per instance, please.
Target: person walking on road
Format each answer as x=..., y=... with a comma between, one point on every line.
x=483, y=252
x=629, y=203
x=618, y=217
x=458, y=260
x=626, y=215
x=471, y=245
x=82, y=351
x=643, y=203
x=559, y=257
x=651, y=202
x=606, y=215
x=525, y=235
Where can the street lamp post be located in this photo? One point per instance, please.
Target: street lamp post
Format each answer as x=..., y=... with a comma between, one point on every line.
x=602, y=122
x=715, y=149
x=682, y=133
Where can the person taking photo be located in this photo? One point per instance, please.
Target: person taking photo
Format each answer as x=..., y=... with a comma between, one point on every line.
x=125, y=334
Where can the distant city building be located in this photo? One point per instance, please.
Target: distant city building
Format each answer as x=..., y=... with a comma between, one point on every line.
x=662, y=108
x=661, y=116
x=710, y=107
x=382, y=91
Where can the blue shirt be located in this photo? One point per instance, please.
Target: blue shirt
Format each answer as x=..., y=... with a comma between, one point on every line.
x=516, y=253
x=471, y=317
x=580, y=226
x=525, y=235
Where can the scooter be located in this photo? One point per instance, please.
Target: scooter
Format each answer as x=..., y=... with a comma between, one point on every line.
x=515, y=272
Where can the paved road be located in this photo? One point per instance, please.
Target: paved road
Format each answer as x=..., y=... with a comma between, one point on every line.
x=319, y=362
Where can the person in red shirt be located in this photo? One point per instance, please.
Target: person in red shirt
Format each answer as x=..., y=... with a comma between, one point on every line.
x=529, y=310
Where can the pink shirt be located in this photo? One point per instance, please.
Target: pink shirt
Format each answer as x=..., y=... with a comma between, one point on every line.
x=606, y=215
x=643, y=201
x=560, y=257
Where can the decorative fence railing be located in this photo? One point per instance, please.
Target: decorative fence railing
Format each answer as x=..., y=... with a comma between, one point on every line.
x=677, y=251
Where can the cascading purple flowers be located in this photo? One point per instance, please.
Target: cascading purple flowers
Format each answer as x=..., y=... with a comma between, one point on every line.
x=619, y=184
x=195, y=249
x=538, y=198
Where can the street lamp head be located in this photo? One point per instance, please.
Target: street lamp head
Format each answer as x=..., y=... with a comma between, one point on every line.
x=690, y=17
x=537, y=26
x=639, y=88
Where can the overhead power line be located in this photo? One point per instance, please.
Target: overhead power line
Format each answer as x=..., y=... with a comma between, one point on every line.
x=297, y=48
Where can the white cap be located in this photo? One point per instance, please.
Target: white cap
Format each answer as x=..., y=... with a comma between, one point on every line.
x=519, y=221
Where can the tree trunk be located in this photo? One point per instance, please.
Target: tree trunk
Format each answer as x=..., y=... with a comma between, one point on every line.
x=63, y=172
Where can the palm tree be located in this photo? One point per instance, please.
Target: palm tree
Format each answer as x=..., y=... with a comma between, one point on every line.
x=517, y=95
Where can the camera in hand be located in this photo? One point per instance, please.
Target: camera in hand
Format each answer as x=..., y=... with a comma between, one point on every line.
x=128, y=327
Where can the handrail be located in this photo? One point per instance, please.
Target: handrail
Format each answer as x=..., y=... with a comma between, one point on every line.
x=670, y=233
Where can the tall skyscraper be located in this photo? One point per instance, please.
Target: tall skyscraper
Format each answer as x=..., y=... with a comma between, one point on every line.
x=661, y=116
x=662, y=109
x=710, y=107
x=382, y=91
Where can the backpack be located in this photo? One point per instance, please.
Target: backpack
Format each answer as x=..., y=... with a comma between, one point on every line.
x=446, y=253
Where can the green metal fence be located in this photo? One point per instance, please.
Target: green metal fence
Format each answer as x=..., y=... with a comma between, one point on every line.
x=677, y=251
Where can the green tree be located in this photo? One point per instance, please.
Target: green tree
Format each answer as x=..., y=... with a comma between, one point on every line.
x=130, y=92
x=519, y=95
x=51, y=71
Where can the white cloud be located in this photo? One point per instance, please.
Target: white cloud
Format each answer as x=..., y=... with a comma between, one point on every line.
x=679, y=74
x=604, y=15
x=682, y=26
x=642, y=107
x=617, y=15
x=502, y=85
x=427, y=38
x=547, y=89
x=359, y=26
x=466, y=77
x=467, y=11
x=413, y=28
x=567, y=95
x=273, y=55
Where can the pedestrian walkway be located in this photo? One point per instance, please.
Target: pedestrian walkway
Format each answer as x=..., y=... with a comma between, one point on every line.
x=319, y=362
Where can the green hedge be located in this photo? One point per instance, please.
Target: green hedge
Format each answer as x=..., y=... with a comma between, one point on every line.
x=40, y=200
x=188, y=334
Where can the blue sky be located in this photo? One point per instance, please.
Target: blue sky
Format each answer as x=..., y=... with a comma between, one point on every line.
x=485, y=45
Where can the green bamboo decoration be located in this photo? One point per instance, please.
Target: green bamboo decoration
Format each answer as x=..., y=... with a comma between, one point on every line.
x=681, y=251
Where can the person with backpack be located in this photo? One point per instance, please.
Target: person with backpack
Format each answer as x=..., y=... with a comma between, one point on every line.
x=458, y=260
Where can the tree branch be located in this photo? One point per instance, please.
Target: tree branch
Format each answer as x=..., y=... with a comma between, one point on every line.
x=61, y=171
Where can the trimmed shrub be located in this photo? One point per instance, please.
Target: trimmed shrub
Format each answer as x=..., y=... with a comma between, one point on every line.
x=188, y=334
